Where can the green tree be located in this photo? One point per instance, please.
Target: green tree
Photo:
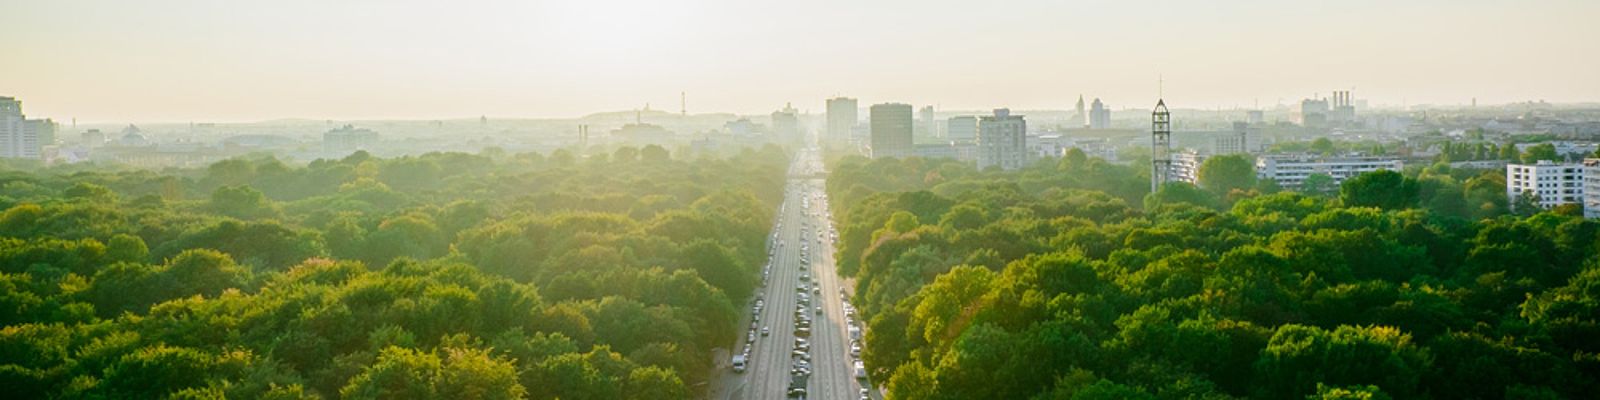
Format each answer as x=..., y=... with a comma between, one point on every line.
x=1225, y=173
x=1382, y=189
x=1318, y=184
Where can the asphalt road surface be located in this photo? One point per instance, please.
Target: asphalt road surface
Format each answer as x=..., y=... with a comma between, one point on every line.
x=802, y=225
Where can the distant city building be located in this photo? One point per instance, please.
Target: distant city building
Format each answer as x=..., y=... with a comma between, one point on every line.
x=1554, y=183
x=348, y=138
x=132, y=136
x=1099, y=116
x=1254, y=117
x=643, y=134
x=1186, y=166
x=1312, y=113
x=93, y=138
x=952, y=150
x=891, y=130
x=19, y=136
x=1002, y=140
x=743, y=127
x=1591, y=188
x=1232, y=143
x=841, y=118
x=1290, y=170
x=1341, y=111
x=961, y=128
x=786, y=125
x=926, y=127
x=1081, y=119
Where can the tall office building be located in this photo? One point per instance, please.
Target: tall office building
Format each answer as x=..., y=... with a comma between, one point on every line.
x=19, y=136
x=841, y=118
x=926, y=127
x=1082, y=119
x=1002, y=140
x=961, y=129
x=891, y=130
x=786, y=124
x=1160, y=145
x=1099, y=116
x=1232, y=143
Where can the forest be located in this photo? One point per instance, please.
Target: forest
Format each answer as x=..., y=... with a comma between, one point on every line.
x=1069, y=280
x=445, y=275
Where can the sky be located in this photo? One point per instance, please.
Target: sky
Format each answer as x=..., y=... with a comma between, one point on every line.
x=240, y=61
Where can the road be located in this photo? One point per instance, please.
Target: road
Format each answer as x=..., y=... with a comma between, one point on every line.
x=768, y=375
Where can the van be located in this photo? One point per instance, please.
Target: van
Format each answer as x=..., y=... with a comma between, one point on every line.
x=738, y=363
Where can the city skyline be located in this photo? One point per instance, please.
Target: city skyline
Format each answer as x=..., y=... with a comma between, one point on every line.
x=115, y=62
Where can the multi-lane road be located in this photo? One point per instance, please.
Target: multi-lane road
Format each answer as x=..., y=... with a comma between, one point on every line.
x=802, y=256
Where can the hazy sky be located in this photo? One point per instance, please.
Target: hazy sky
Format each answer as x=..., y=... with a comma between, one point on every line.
x=206, y=60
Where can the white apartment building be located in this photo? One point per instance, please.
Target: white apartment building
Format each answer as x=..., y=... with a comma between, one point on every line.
x=1186, y=166
x=1002, y=140
x=1289, y=171
x=1591, y=188
x=19, y=136
x=1554, y=183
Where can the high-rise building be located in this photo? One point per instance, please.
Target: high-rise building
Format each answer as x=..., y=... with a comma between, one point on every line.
x=925, y=124
x=1099, y=116
x=786, y=124
x=1312, y=113
x=19, y=136
x=841, y=118
x=1553, y=183
x=1591, y=188
x=1235, y=142
x=1002, y=140
x=961, y=128
x=1081, y=119
x=891, y=130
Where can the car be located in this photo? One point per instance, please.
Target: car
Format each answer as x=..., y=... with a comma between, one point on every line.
x=797, y=392
x=866, y=394
x=738, y=363
x=816, y=290
x=765, y=331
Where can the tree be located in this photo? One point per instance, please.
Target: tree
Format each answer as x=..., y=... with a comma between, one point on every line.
x=1540, y=152
x=654, y=154
x=1318, y=184
x=1322, y=145
x=1383, y=189
x=1223, y=174
x=1179, y=192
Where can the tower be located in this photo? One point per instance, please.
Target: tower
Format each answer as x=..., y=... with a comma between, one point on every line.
x=1160, y=145
x=1083, y=119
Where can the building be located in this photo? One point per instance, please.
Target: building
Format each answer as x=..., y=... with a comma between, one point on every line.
x=347, y=139
x=952, y=150
x=926, y=127
x=1290, y=170
x=1312, y=113
x=1099, y=116
x=961, y=129
x=1591, y=188
x=841, y=118
x=19, y=136
x=786, y=125
x=1080, y=119
x=1232, y=143
x=1554, y=183
x=891, y=130
x=1254, y=117
x=1002, y=140
x=93, y=138
x=1186, y=166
